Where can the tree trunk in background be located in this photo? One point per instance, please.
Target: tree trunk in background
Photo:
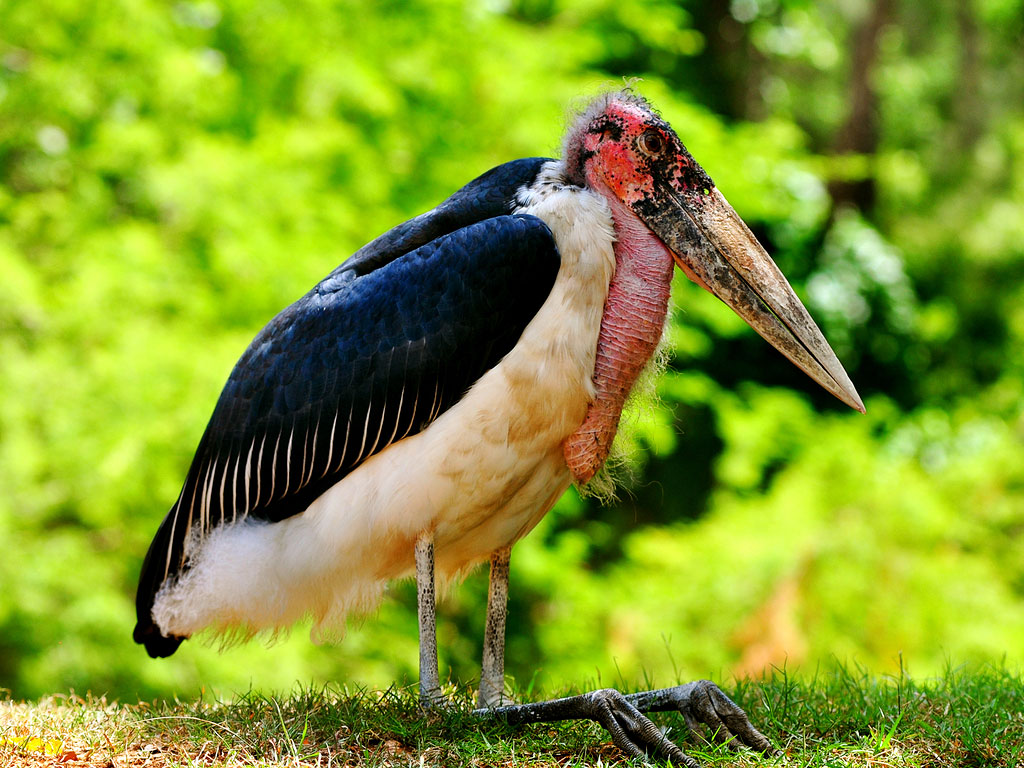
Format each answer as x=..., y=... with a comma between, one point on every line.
x=732, y=65
x=969, y=111
x=859, y=135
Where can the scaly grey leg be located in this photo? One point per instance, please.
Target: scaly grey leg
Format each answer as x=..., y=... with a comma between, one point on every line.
x=622, y=716
x=426, y=603
x=492, y=670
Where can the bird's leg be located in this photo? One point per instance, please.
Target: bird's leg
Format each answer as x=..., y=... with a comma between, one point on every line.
x=426, y=605
x=700, y=703
x=492, y=670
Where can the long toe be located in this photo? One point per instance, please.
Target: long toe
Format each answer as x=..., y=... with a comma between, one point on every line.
x=727, y=723
x=632, y=731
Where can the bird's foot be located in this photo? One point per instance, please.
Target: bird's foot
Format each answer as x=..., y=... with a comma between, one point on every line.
x=706, y=710
x=630, y=729
x=702, y=704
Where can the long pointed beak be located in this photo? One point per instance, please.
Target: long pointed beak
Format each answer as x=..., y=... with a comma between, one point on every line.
x=713, y=246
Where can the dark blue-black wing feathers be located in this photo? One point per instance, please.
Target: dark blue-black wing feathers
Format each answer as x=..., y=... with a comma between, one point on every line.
x=490, y=194
x=361, y=361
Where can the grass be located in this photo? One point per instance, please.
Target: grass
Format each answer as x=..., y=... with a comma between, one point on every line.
x=966, y=718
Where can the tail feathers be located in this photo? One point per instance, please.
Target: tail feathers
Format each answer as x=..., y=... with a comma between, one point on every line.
x=158, y=646
x=151, y=579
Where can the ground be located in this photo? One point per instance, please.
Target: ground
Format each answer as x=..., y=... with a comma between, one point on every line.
x=965, y=718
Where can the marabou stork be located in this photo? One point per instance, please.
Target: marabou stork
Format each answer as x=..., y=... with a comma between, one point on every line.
x=426, y=403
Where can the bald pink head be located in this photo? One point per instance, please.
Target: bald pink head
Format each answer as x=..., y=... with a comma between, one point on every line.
x=621, y=143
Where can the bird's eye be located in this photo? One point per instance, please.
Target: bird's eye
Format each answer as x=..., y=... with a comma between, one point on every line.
x=652, y=142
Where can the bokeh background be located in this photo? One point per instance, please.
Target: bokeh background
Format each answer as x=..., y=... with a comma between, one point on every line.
x=174, y=173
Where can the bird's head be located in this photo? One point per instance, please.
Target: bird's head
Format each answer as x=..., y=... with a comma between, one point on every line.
x=621, y=149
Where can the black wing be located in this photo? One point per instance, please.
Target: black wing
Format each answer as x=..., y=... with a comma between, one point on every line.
x=356, y=364
x=488, y=195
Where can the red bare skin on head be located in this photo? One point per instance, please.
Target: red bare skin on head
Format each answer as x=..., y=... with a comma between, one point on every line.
x=630, y=155
x=638, y=156
x=614, y=157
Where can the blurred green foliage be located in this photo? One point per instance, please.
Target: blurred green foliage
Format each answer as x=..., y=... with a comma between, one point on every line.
x=172, y=174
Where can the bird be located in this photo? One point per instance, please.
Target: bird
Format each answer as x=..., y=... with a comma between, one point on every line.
x=422, y=407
